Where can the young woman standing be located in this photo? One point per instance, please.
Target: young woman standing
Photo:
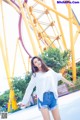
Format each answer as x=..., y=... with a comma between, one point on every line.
x=45, y=80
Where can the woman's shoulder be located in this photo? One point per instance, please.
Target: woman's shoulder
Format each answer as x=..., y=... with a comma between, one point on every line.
x=51, y=70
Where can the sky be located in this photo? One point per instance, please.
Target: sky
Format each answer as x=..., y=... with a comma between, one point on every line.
x=11, y=30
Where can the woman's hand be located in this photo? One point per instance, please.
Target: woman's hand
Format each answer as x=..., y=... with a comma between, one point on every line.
x=71, y=84
x=22, y=106
x=68, y=82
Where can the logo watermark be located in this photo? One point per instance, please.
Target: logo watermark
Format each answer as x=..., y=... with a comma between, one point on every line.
x=4, y=115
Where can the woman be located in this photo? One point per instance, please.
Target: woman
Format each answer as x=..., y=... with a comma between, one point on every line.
x=45, y=80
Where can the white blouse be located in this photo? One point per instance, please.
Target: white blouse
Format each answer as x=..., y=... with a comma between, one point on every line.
x=43, y=81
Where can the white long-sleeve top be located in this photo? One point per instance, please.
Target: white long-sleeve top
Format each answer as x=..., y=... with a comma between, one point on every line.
x=43, y=81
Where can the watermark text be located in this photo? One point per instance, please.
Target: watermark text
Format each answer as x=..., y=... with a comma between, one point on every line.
x=67, y=2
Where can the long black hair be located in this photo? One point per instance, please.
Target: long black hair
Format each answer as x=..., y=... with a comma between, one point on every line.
x=35, y=69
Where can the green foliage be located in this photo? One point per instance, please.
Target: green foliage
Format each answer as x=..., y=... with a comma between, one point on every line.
x=4, y=98
x=78, y=70
x=55, y=59
x=18, y=95
x=27, y=77
x=69, y=72
x=20, y=84
x=78, y=64
x=77, y=86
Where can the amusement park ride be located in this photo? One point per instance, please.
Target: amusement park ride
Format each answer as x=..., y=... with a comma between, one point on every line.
x=43, y=18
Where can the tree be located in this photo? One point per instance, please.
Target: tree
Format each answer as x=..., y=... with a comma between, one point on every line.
x=55, y=59
x=20, y=84
x=4, y=98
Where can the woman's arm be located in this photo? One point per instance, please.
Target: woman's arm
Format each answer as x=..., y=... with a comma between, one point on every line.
x=28, y=92
x=68, y=82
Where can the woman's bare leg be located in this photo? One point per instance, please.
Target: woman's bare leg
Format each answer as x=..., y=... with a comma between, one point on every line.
x=56, y=114
x=45, y=113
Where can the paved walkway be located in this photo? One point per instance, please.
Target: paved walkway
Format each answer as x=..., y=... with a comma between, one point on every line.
x=69, y=106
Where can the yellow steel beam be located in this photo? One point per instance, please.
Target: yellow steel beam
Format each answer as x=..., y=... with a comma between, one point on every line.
x=35, y=51
x=8, y=78
x=12, y=105
x=74, y=19
x=12, y=102
x=4, y=52
x=18, y=45
x=4, y=33
x=15, y=58
x=23, y=59
x=5, y=62
x=0, y=1
x=49, y=8
x=42, y=34
x=72, y=43
x=28, y=64
x=34, y=27
x=77, y=25
x=76, y=36
x=56, y=12
x=13, y=5
x=60, y=28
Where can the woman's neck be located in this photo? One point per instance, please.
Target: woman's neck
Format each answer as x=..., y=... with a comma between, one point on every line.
x=40, y=69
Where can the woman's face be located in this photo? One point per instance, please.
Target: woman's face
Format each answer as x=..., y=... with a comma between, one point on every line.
x=37, y=62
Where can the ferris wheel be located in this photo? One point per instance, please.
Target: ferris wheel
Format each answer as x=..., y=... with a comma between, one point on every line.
x=45, y=25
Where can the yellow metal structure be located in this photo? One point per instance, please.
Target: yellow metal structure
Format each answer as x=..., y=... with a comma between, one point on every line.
x=6, y=64
x=45, y=23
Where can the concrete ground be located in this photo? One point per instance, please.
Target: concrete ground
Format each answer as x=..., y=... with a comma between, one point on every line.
x=69, y=106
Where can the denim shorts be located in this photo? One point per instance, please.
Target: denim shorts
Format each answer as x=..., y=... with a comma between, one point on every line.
x=49, y=101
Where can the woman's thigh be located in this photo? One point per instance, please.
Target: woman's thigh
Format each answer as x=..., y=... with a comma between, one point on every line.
x=56, y=114
x=45, y=113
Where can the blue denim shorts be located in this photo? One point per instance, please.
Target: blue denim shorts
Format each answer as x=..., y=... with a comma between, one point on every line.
x=49, y=101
